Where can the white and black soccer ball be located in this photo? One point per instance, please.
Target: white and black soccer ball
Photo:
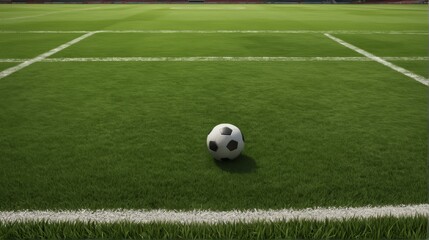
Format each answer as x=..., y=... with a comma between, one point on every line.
x=225, y=142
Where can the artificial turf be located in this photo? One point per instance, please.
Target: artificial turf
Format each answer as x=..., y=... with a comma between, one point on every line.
x=132, y=134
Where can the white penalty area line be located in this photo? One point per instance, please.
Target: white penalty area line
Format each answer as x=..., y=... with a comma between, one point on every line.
x=231, y=31
x=371, y=56
x=213, y=217
x=217, y=59
x=39, y=58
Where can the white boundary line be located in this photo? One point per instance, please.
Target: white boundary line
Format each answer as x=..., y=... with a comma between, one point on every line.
x=223, y=59
x=216, y=59
x=231, y=31
x=12, y=60
x=39, y=58
x=202, y=216
x=43, y=56
x=262, y=31
x=371, y=56
x=44, y=32
x=207, y=8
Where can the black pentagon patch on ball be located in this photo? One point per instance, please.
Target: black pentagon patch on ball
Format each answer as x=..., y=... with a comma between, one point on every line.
x=225, y=131
x=225, y=159
x=213, y=146
x=232, y=145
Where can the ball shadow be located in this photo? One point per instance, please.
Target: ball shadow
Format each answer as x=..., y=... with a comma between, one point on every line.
x=242, y=164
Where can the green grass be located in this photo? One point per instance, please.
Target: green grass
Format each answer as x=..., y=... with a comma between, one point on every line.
x=29, y=45
x=298, y=17
x=102, y=138
x=389, y=45
x=4, y=66
x=418, y=67
x=376, y=228
x=189, y=45
x=132, y=134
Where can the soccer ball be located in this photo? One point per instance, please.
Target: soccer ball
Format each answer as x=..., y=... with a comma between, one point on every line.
x=225, y=142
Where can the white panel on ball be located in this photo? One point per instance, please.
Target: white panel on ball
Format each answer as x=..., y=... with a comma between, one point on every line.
x=225, y=142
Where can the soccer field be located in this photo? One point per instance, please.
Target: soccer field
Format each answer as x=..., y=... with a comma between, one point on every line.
x=109, y=106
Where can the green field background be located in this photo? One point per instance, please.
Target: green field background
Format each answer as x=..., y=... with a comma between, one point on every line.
x=132, y=134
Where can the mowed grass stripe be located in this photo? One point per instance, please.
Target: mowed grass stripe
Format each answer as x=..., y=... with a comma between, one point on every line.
x=215, y=45
x=259, y=17
x=49, y=13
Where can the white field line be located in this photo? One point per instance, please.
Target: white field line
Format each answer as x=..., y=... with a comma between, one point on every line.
x=51, y=32
x=262, y=31
x=383, y=8
x=202, y=216
x=371, y=56
x=13, y=60
x=206, y=59
x=39, y=58
x=207, y=8
x=216, y=59
x=231, y=31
